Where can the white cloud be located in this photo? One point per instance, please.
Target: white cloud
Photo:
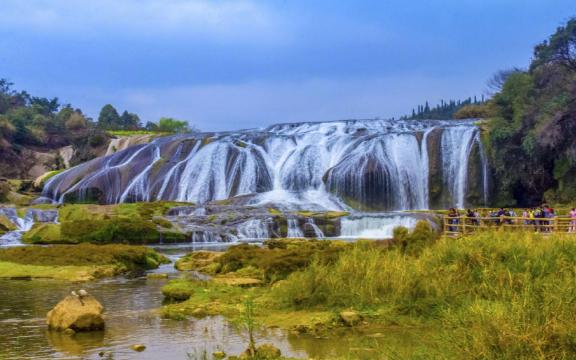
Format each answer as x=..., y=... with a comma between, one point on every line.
x=221, y=20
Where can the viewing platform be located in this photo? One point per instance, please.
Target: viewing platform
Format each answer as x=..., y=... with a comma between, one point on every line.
x=464, y=225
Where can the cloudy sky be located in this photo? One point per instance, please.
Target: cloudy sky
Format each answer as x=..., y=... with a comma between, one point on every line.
x=228, y=64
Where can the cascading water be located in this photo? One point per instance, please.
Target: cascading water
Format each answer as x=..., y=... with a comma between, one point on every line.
x=367, y=165
x=294, y=230
x=318, y=234
x=23, y=224
x=253, y=229
x=457, y=144
x=374, y=226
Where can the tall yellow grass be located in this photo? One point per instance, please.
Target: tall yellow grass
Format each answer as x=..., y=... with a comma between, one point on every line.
x=508, y=295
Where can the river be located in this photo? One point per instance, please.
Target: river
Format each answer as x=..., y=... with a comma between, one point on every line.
x=131, y=317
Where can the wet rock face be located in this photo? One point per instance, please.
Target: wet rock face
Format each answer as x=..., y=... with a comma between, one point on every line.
x=438, y=195
x=76, y=312
x=366, y=186
x=225, y=222
x=377, y=165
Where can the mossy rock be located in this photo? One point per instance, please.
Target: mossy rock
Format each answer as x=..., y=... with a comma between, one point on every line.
x=44, y=233
x=203, y=261
x=172, y=237
x=6, y=225
x=162, y=222
x=179, y=290
x=117, y=230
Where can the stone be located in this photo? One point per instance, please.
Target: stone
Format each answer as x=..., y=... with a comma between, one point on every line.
x=350, y=317
x=219, y=355
x=268, y=352
x=76, y=313
x=138, y=347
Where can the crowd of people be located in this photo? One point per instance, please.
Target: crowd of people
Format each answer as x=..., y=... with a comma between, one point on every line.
x=541, y=219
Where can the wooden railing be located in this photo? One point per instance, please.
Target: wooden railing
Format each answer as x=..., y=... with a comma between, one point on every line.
x=463, y=225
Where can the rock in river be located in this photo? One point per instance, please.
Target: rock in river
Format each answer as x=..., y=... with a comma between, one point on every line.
x=79, y=313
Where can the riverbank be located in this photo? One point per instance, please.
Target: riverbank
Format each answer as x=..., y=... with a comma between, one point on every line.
x=76, y=262
x=491, y=295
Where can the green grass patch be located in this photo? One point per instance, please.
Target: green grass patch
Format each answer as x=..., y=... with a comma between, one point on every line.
x=76, y=261
x=136, y=132
x=178, y=290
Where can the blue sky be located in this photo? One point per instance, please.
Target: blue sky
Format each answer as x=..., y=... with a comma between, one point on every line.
x=224, y=64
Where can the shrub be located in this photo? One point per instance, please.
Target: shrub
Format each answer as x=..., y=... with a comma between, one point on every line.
x=281, y=258
x=414, y=242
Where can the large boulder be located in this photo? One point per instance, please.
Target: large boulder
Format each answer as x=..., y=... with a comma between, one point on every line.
x=79, y=313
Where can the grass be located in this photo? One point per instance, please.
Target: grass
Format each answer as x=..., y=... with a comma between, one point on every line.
x=510, y=295
x=136, y=132
x=271, y=263
x=178, y=290
x=69, y=273
x=76, y=262
x=492, y=295
x=130, y=257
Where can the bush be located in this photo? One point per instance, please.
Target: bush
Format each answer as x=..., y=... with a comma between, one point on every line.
x=97, y=140
x=414, y=242
x=280, y=259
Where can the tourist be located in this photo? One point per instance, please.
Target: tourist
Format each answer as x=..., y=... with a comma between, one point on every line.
x=512, y=214
x=472, y=217
x=572, y=220
x=453, y=215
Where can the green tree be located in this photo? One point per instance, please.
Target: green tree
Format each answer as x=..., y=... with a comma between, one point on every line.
x=130, y=121
x=109, y=118
x=172, y=125
x=560, y=48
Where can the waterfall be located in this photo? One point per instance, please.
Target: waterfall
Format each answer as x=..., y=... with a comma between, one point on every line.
x=375, y=227
x=294, y=230
x=373, y=165
x=253, y=229
x=318, y=234
x=23, y=224
x=457, y=142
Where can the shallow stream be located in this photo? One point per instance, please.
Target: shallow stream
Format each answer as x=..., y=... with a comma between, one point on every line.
x=132, y=318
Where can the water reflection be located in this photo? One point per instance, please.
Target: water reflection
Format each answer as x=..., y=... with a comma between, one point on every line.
x=132, y=317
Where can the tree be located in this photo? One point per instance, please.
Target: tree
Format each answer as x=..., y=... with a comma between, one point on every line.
x=130, y=121
x=151, y=126
x=497, y=80
x=172, y=125
x=109, y=118
x=560, y=48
